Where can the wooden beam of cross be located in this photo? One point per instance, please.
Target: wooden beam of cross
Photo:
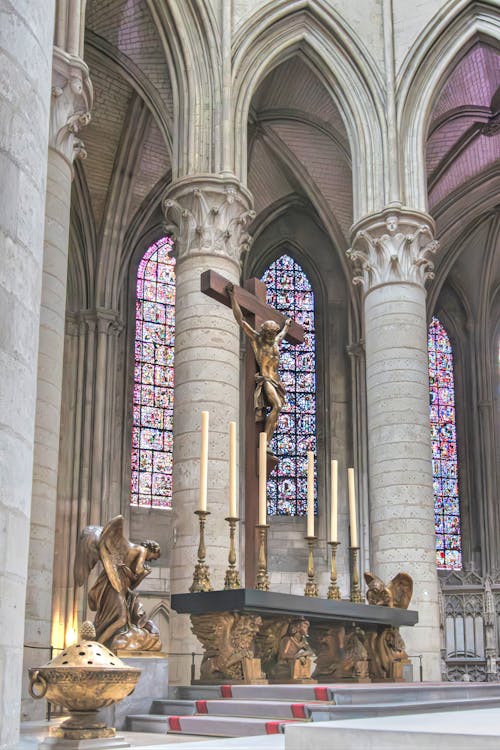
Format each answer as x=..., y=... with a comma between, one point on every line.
x=252, y=300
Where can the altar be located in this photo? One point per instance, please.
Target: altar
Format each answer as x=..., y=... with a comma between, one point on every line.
x=251, y=636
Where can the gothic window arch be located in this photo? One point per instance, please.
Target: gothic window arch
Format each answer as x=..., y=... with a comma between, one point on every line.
x=153, y=391
x=444, y=448
x=289, y=290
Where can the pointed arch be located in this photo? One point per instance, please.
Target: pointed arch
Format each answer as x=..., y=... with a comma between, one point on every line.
x=278, y=32
x=190, y=38
x=451, y=33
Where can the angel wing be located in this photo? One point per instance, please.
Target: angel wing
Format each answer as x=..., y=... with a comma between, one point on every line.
x=401, y=588
x=87, y=553
x=113, y=549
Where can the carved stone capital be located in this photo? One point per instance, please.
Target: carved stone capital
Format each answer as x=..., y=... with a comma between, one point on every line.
x=209, y=215
x=393, y=246
x=72, y=97
x=105, y=322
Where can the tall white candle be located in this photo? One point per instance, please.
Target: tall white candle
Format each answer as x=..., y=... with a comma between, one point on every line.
x=352, y=508
x=262, y=478
x=334, y=500
x=310, y=493
x=204, y=461
x=232, y=469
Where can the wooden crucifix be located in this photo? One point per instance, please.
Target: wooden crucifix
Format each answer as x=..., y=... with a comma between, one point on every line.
x=252, y=300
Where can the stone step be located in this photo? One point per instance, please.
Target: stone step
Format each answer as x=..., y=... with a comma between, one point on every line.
x=362, y=694
x=209, y=726
x=330, y=712
x=222, y=707
x=410, y=692
x=174, y=707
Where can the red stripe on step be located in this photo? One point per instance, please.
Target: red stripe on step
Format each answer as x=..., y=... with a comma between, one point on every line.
x=225, y=691
x=321, y=693
x=201, y=707
x=273, y=727
x=298, y=710
x=174, y=723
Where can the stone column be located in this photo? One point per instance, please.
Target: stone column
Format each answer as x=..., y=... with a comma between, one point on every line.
x=390, y=252
x=207, y=215
x=71, y=101
x=25, y=62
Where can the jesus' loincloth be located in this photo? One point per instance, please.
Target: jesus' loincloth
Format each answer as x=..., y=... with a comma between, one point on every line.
x=260, y=400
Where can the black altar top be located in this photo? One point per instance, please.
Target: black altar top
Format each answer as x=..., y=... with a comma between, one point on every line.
x=272, y=603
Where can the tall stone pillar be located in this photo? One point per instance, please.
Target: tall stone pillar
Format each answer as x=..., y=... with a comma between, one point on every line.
x=207, y=216
x=25, y=61
x=391, y=255
x=71, y=102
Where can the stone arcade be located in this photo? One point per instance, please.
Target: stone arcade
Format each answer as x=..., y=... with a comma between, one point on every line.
x=325, y=147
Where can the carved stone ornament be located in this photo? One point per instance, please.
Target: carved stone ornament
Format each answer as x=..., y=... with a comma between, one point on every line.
x=285, y=651
x=209, y=216
x=228, y=642
x=72, y=98
x=393, y=246
x=397, y=593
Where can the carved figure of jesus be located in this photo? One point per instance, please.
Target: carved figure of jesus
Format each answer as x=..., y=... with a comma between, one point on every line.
x=269, y=390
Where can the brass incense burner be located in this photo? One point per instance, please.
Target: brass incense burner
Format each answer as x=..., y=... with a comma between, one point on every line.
x=83, y=679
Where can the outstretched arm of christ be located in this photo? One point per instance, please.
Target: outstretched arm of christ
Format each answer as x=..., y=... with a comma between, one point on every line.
x=281, y=335
x=239, y=315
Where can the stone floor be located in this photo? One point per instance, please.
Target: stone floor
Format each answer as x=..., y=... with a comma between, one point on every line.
x=33, y=732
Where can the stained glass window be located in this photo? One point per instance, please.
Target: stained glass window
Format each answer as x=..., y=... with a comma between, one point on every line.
x=152, y=436
x=444, y=448
x=289, y=290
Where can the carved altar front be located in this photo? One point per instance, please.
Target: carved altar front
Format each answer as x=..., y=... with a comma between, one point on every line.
x=252, y=636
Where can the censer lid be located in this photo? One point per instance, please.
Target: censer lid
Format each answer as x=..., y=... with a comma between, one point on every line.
x=87, y=652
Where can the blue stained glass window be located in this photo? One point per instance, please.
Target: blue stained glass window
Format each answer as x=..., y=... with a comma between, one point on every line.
x=153, y=400
x=444, y=448
x=289, y=290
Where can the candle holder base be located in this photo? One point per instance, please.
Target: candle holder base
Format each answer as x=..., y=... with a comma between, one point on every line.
x=333, y=589
x=201, y=575
x=311, y=587
x=201, y=578
x=262, y=582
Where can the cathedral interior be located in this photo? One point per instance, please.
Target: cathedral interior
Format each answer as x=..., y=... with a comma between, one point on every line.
x=347, y=154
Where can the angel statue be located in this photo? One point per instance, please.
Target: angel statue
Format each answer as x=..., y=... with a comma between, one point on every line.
x=396, y=594
x=120, y=621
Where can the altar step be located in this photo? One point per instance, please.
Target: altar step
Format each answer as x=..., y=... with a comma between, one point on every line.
x=248, y=710
x=209, y=726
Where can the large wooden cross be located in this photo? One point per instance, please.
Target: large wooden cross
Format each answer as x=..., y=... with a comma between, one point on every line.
x=252, y=300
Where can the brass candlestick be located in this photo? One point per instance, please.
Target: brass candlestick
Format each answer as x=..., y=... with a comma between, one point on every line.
x=355, y=587
x=311, y=587
x=201, y=576
x=262, y=577
x=232, y=579
x=333, y=589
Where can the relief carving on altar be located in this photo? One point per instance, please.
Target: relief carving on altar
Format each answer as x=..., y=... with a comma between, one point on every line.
x=386, y=646
x=120, y=621
x=285, y=651
x=228, y=642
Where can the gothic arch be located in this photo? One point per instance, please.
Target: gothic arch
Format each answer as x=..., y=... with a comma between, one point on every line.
x=190, y=41
x=450, y=34
x=314, y=29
